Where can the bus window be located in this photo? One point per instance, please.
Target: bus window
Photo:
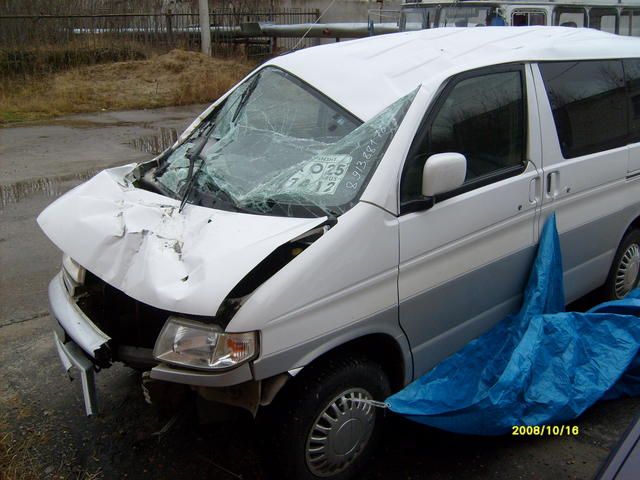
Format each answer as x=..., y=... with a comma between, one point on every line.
x=418, y=18
x=570, y=17
x=413, y=19
x=630, y=22
x=468, y=16
x=538, y=18
x=604, y=19
x=521, y=18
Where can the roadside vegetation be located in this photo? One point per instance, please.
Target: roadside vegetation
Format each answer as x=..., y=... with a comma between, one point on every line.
x=176, y=78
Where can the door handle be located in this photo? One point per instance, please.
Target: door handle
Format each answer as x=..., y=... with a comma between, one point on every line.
x=535, y=187
x=552, y=184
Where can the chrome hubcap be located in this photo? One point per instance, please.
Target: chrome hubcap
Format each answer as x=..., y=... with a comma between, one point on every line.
x=628, y=269
x=340, y=433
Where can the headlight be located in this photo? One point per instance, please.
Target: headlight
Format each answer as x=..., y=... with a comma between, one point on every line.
x=198, y=345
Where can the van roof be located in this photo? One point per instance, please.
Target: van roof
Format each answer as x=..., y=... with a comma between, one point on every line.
x=367, y=75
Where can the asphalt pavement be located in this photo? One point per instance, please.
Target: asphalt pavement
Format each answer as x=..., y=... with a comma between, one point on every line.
x=43, y=430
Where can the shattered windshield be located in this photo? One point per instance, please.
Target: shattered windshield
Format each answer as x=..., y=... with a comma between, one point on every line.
x=278, y=147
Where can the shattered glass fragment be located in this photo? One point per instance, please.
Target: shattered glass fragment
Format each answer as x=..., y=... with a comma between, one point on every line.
x=279, y=147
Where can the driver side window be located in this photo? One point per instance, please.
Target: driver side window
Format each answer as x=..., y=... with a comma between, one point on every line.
x=483, y=118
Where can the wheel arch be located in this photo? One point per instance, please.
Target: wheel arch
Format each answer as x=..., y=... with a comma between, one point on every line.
x=380, y=348
x=391, y=353
x=634, y=225
x=378, y=337
x=616, y=285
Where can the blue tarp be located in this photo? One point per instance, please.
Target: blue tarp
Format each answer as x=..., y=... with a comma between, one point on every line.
x=540, y=366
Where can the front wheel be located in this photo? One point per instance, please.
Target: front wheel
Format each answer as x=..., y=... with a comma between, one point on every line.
x=625, y=270
x=321, y=428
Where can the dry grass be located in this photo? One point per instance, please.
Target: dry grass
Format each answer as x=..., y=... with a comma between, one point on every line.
x=176, y=78
x=47, y=58
x=16, y=452
x=21, y=444
x=16, y=462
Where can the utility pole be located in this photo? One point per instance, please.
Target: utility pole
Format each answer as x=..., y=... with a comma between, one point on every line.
x=205, y=27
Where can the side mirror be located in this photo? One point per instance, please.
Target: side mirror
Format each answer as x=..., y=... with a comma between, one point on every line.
x=443, y=172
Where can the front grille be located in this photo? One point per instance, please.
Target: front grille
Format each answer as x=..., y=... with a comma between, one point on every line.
x=127, y=321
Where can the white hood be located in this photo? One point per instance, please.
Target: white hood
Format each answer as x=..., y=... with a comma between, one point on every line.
x=138, y=242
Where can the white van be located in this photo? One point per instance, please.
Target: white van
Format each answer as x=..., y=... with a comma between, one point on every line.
x=349, y=215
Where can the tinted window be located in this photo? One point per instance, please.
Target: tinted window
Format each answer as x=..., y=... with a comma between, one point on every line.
x=481, y=117
x=632, y=71
x=570, y=17
x=588, y=100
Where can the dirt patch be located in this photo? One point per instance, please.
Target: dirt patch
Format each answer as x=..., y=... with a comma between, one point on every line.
x=176, y=78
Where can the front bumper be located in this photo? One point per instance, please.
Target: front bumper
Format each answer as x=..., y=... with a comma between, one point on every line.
x=71, y=356
x=81, y=344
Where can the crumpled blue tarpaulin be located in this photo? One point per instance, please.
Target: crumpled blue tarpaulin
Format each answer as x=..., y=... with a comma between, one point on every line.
x=540, y=366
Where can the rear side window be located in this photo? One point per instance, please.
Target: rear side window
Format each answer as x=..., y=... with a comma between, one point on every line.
x=589, y=105
x=632, y=72
x=482, y=117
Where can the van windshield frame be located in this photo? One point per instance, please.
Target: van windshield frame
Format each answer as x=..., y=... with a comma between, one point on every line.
x=277, y=146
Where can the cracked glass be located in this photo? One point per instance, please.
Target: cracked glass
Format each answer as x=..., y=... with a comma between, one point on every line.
x=276, y=146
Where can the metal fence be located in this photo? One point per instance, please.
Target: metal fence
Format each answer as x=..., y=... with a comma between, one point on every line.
x=31, y=44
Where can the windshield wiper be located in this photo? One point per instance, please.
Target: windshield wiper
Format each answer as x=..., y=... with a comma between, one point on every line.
x=192, y=154
x=244, y=98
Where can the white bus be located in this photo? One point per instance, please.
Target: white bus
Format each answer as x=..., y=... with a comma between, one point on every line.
x=607, y=15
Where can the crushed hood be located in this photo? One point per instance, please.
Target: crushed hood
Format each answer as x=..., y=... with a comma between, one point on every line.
x=139, y=242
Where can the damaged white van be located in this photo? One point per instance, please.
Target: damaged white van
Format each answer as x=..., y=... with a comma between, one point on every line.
x=349, y=215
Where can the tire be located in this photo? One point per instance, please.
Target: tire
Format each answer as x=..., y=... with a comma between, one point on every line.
x=316, y=430
x=625, y=269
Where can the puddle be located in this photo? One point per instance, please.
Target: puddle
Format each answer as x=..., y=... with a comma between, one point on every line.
x=55, y=186
x=158, y=143
x=51, y=187
x=95, y=123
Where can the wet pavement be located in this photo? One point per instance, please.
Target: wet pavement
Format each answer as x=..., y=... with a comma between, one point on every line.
x=38, y=157
x=41, y=413
x=40, y=161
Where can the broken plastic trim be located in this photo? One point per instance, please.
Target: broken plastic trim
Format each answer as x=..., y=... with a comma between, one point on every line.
x=266, y=269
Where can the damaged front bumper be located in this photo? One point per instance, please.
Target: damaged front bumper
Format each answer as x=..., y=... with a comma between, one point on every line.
x=72, y=356
x=82, y=345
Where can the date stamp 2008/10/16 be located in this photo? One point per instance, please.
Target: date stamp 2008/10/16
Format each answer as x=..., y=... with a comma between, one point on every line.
x=542, y=430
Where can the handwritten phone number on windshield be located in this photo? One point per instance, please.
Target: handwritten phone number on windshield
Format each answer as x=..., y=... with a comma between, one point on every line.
x=542, y=430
